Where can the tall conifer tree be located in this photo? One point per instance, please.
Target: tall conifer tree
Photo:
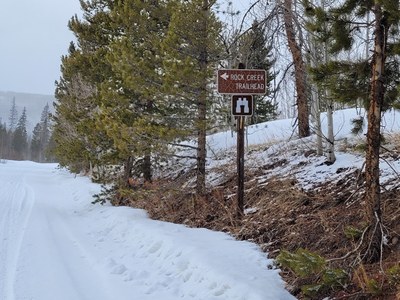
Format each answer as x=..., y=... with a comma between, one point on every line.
x=13, y=117
x=79, y=143
x=4, y=141
x=41, y=136
x=20, y=138
x=141, y=115
x=375, y=79
x=255, y=53
x=191, y=51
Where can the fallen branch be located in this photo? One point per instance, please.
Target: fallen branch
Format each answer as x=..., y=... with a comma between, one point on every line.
x=354, y=250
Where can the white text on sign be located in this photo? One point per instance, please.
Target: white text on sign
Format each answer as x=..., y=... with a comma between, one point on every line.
x=241, y=81
x=248, y=77
x=249, y=86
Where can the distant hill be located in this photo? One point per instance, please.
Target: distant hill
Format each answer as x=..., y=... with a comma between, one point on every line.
x=34, y=104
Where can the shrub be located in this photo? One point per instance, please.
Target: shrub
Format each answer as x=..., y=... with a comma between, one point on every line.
x=393, y=274
x=313, y=267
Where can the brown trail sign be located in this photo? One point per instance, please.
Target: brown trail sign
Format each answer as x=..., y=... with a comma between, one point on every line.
x=241, y=81
x=242, y=84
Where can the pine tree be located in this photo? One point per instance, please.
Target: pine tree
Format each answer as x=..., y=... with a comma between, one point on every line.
x=386, y=15
x=36, y=144
x=13, y=117
x=375, y=80
x=12, y=124
x=191, y=51
x=79, y=143
x=72, y=94
x=20, y=138
x=255, y=53
x=141, y=110
x=4, y=147
x=41, y=136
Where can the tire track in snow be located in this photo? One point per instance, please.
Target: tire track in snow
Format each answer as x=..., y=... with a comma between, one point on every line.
x=57, y=246
x=73, y=249
x=56, y=258
x=16, y=204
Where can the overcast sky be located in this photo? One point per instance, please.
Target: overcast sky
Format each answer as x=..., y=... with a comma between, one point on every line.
x=33, y=37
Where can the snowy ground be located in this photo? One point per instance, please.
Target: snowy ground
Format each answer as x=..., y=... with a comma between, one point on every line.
x=277, y=141
x=56, y=245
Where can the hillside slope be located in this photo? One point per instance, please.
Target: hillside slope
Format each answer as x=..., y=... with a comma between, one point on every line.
x=293, y=200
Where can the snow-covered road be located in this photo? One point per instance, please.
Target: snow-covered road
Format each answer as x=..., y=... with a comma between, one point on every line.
x=56, y=245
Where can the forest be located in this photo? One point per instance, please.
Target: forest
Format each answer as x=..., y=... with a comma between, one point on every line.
x=17, y=143
x=138, y=89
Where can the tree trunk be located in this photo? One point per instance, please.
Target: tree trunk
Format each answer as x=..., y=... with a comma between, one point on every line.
x=330, y=149
x=372, y=248
x=202, y=107
x=316, y=119
x=315, y=107
x=128, y=166
x=146, y=167
x=299, y=69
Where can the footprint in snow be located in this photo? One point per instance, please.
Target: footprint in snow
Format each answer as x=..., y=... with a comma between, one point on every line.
x=119, y=270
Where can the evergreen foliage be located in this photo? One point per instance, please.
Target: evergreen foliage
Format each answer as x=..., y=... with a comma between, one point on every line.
x=314, y=269
x=342, y=27
x=139, y=110
x=373, y=79
x=255, y=52
x=4, y=141
x=19, y=143
x=13, y=117
x=192, y=49
x=79, y=144
x=36, y=143
x=132, y=84
x=41, y=137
